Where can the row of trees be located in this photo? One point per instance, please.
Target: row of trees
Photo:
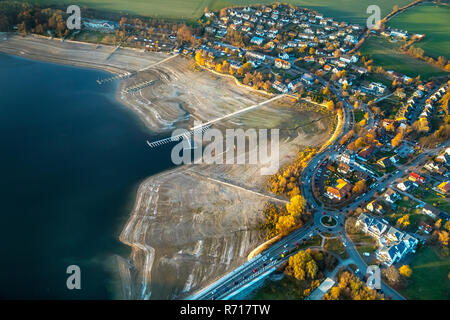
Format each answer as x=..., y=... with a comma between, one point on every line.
x=397, y=278
x=282, y=220
x=351, y=287
x=32, y=18
x=419, y=53
x=286, y=181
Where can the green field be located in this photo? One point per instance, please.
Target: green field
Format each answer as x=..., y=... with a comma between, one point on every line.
x=429, y=280
x=346, y=10
x=430, y=20
x=387, y=54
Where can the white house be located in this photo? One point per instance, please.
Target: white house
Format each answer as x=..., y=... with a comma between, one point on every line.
x=393, y=243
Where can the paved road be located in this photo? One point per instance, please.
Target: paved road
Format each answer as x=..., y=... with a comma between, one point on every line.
x=271, y=258
x=261, y=264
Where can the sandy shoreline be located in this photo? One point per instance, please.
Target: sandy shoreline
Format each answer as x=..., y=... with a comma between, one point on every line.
x=192, y=224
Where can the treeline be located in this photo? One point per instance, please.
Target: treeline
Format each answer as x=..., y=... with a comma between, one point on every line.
x=350, y=287
x=286, y=181
x=52, y=19
x=419, y=53
x=32, y=18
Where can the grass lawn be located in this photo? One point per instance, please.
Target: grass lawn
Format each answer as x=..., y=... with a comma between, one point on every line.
x=313, y=242
x=432, y=197
x=336, y=246
x=287, y=288
x=353, y=11
x=359, y=115
x=387, y=54
x=429, y=280
x=364, y=242
x=415, y=214
x=430, y=20
x=390, y=106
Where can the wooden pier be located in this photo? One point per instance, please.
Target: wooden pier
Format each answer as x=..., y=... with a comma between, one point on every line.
x=138, y=86
x=187, y=135
x=116, y=77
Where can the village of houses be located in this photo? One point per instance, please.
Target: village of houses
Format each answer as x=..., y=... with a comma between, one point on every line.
x=293, y=51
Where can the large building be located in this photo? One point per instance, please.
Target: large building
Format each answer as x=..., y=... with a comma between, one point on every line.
x=394, y=244
x=340, y=190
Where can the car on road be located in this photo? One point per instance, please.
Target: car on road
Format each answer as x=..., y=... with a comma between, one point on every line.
x=255, y=270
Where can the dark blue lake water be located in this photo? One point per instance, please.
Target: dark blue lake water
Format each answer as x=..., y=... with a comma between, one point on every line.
x=71, y=160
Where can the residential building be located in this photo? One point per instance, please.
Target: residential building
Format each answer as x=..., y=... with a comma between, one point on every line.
x=374, y=206
x=394, y=244
x=384, y=162
x=343, y=168
x=444, y=187
x=405, y=185
x=391, y=196
x=414, y=177
x=341, y=189
x=430, y=211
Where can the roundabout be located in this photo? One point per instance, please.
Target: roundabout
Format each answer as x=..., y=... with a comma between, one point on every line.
x=328, y=221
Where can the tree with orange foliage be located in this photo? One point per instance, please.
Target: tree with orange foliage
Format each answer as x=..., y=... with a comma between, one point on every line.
x=405, y=270
x=351, y=146
x=285, y=224
x=395, y=142
x=359, y=187
x=359, y=143
x=330, y=105
x=347, y=137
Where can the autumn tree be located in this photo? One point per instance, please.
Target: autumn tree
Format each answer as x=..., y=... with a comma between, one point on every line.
x=392, y=275
x=395, y=142
x=285, y=224
x=359, y=187
x=347, y=137
x=403, y=222
x=296, y=206
x=447, y=225
x=302, y=265
x=443, y=238
x=199, y=58
x=405, y=270
x=330, y=105
x=359, y=143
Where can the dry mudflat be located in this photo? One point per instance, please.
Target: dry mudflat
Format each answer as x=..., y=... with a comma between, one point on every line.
x=192, y=224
